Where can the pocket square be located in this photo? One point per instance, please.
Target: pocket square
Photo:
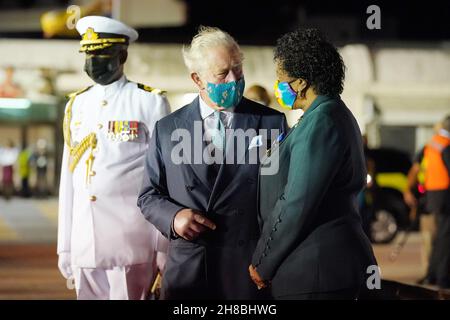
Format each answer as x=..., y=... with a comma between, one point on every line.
x=256, y=142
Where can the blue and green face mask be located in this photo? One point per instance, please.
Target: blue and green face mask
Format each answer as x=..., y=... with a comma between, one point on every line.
x=285, y=95
x=226, y=95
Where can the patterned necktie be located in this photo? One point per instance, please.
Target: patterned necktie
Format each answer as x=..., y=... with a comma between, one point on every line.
x=218, y=137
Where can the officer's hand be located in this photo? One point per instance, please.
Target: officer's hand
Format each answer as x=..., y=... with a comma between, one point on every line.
x=409, y=198
x=64, y=264
x=189, y=223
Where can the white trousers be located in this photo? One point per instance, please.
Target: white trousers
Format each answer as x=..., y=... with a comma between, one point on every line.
x=119, y=283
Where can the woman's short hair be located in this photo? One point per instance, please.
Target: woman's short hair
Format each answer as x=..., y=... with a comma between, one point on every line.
x=207, y=37
x=308, y=55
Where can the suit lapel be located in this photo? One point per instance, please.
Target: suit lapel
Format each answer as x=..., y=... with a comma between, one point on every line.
x=229, y=172
x=192, y=121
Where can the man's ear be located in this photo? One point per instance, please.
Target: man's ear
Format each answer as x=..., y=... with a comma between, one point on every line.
x=198, y=82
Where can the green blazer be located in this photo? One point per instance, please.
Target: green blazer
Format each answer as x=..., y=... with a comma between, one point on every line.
x=311, y=235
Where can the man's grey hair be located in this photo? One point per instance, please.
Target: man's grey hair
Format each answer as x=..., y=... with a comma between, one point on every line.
x=206, y=38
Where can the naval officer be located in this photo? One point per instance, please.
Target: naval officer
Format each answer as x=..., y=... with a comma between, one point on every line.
x=104, y=242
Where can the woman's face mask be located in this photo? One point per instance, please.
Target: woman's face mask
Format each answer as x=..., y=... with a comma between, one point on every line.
x=226, y=95
x=103, y=68
x=285, y=95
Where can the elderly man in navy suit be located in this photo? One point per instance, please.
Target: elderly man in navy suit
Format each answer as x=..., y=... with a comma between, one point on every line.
x=201, y=176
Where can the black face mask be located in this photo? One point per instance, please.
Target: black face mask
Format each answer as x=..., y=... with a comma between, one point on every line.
x=103, y=69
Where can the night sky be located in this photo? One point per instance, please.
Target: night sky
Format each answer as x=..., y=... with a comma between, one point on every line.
x=262, y=22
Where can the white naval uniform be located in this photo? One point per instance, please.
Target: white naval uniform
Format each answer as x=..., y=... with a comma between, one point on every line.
x=99, y=223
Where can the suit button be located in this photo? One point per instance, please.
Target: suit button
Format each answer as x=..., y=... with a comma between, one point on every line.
x=92, y=198
x=241, y=243
x=104, y=103
x=250, y=180
x=282, y=196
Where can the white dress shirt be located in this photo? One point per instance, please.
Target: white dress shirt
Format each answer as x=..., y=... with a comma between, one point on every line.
x=209, y=121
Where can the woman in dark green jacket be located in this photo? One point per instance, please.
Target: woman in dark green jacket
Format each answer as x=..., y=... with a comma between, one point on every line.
x=312, y=245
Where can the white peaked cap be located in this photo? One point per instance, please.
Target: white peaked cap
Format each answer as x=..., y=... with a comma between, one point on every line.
x=106, y=25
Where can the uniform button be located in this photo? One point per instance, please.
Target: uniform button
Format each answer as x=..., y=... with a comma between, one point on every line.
x=241, y=243
x=93, y=198
x=92, y=173
x=104, y=103
x=100, y=126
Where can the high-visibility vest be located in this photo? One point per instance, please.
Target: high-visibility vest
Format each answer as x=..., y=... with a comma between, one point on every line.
x=436, y=173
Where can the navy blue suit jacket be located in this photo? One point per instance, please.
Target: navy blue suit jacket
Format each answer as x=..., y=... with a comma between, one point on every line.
x=216, y=264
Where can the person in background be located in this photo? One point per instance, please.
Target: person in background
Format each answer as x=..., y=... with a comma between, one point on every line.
x=8, y=157
x=24, y=162
x=433, y=163
x=8, y=88
x=40, y=160
x=258, y=94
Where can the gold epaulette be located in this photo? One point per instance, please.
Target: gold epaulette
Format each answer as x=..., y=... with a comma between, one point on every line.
x=68, y=116
x=74, y=94
x=150, y=89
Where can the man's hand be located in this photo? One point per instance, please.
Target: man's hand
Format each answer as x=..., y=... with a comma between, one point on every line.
x=256, y=277
x=410, y=199
x=64, y=264
x=189, y=223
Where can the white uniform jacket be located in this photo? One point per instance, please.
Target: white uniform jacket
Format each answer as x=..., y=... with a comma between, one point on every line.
x=99, y=223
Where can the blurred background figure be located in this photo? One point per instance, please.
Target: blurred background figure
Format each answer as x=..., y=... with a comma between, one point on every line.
x=48, y=82
x=41, y=163
x=8, y=157
x=24, y=160
x=8, y=88
x=258, y=94
x=430, y=171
